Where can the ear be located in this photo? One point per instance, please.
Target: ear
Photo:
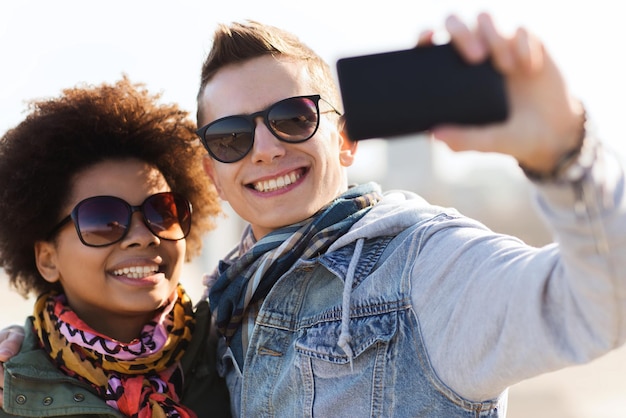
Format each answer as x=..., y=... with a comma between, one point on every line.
x=46, y=260
x=348, y=146
x=208, y=164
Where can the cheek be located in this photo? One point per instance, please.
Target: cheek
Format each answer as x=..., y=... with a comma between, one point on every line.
x=330, y=143
x=81, y=266
x=176, y=251
x=181, y=249
x=330, y=155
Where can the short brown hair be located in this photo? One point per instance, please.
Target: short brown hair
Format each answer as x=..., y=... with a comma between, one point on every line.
x=85, y=125
x=240, y=42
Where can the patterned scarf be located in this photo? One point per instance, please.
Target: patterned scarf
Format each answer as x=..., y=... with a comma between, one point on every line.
x=246, y=276
x=140, y=379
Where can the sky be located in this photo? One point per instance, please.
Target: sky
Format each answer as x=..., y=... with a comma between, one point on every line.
x=46, y=46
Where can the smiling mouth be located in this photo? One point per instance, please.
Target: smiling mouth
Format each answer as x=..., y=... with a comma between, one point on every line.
x=276, y=183
x=136, y=272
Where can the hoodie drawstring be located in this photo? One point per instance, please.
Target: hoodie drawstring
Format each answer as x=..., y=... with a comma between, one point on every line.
x=344, y=336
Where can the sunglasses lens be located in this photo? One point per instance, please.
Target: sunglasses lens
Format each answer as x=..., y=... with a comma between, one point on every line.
x=168, y=216
x=229, y=139
x=102, y=220
x=294, y=120
x=291, y=120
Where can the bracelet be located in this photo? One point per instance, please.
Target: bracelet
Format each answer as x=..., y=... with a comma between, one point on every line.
x=572, y=165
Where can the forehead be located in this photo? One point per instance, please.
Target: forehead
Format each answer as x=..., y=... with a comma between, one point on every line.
x=251, y=86
x=130, y=179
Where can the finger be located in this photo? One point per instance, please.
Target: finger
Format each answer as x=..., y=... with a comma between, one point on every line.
x=529, y=52
x=10, y=341
x=499, y=47
x=466, y=42
x=425, y=38
x=470, y=138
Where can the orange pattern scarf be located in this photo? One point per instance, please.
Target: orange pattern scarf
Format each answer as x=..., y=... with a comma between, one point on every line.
x=141, y=379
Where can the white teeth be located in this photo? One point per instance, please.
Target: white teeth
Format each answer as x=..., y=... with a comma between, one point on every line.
x=136, y=272
x=277, y=183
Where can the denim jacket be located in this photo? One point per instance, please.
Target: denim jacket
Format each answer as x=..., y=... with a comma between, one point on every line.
x=34, y=387
x=295, y=365
x=440, y=320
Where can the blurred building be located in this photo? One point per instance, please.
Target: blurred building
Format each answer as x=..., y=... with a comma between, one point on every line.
x=488, y=187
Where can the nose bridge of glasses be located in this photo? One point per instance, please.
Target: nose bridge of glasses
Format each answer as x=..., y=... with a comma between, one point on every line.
x=139, y=220
x=261, y=120
x=258, y=119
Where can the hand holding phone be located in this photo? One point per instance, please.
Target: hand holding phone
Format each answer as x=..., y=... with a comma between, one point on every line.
x=409, y=91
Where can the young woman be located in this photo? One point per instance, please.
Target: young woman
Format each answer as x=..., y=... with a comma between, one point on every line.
x=103, y=199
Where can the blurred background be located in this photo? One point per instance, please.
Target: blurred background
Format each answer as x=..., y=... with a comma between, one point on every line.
x=47, y=46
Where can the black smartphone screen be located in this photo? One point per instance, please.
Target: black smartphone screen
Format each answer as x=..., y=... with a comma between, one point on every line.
x=408, y=91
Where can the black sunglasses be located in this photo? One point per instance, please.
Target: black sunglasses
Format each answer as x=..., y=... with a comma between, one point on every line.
x=294, y=120
x=105, y=220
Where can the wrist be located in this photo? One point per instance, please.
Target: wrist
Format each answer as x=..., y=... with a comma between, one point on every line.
x=573, y=164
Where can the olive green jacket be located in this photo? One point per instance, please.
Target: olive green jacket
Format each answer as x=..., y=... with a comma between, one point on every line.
x=34, y=387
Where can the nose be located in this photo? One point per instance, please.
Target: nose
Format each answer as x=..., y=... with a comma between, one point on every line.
x=266, y=146
x=139, y=235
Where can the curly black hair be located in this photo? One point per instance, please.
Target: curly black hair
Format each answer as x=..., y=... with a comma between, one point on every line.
x=85, y=125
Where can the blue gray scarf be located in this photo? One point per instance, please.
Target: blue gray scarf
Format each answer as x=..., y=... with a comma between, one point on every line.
x=243, y=280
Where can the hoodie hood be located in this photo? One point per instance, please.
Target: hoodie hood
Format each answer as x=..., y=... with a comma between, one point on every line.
x=397, y=211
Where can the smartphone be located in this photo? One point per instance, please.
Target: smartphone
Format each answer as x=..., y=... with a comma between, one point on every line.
x=402, y=92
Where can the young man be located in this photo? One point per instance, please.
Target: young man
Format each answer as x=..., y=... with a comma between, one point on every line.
x=350, y=302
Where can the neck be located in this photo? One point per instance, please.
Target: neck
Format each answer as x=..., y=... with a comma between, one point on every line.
x=122, y=328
